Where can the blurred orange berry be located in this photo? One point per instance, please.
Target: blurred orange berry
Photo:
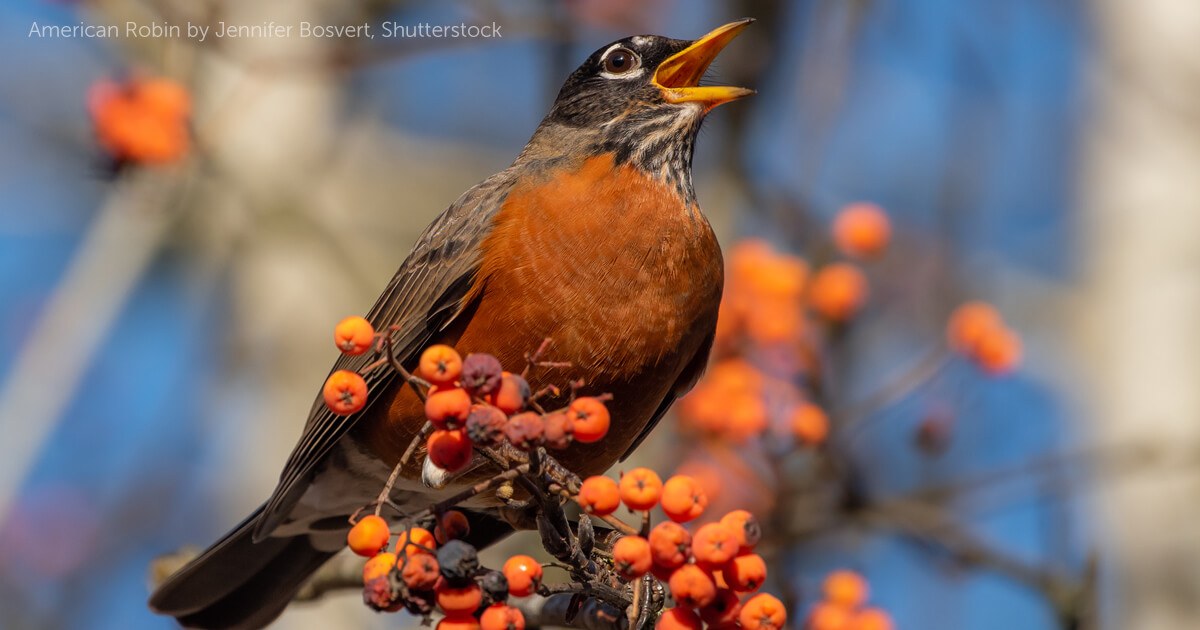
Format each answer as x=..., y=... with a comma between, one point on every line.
x=809, y=424
x=599, y=495
x=745, y=573
x=747, y=418
x=502, y=617
x=590, y=417
x=723, y=610
x=871, y=619
x=464, y=599
x=524, y=575
x=420, y=537
x=631, y=557
x=447, y=407
x=640, y=489
x=142, y=120
x=440, y=365
x=829, y=616
x=683, y=499
x=845, y=588
x=692, y=586
x=449, y=450
x=354, y=335
x=453, y=525
x=420, y=570
x=670, y=544
x=969, y=323
x=368, y=536
x=462, y=621
x=713, y=545
x=862, y=229
x=763, y=612
x=999, y=351
x=679, y=618
x=379, y=565
x=745, y=528
x=345, y=392
x=838, y=291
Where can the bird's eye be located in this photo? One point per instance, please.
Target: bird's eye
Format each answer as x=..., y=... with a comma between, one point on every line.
x=620, y=61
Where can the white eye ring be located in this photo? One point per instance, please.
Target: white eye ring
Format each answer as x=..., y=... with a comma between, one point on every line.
x=618, y=62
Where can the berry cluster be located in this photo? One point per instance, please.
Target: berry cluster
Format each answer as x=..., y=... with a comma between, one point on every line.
x=472, y=404
x=843, y=607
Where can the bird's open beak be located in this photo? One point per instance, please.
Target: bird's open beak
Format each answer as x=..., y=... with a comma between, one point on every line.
x=679, y=76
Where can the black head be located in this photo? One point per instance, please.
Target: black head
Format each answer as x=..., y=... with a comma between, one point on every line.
x=639, y=98
x=645, y=72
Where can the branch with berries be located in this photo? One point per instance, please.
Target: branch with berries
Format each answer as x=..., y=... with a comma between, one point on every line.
x=622, y=576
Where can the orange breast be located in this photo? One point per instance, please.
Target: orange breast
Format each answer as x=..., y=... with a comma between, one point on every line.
x=612, y=267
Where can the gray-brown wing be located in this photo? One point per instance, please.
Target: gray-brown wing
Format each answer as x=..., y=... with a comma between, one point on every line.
x=423, y=297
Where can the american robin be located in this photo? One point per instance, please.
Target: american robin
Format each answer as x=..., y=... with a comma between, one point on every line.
x=592, y=238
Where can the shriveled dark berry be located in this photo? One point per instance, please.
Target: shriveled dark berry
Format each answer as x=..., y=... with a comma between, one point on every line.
x=524, y=430
x=495, y=587
x=420, y=602
x=485, y=425
x=481, y=374
x=559, y=430
x=378, y=593
x=459, y=561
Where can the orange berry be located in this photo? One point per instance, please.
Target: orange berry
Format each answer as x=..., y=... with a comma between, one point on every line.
x=829, y=616
x=420, y=570
x=458, y=621
x=838, y=291
x=809, y=424
x=845, y=588
x=379, y=565
x=143, y=120
x=524, y=575
x=452, y=526
x=714, y=545
x=745, y=573
x=345, y=392
x=745, y=529
x=872, y=619
x=631, y=557
x=440, y=365
x=354, y=335
x=462, y=621
x=968, y=324
x=420, y=537
x=723, y=610
x=449, y=450
x=683, y=499
x=599, y=495
x=678, y=618
x=368, y=536
x=763, y=612
x=502, y=617
x=559, y=430
x=447, y=407
x=670, y=544
x=999, y=351
x=590, y=417
x=692, y=586
x=640, y=489
x=458, y=600
x=862, y=229
x=512, y=395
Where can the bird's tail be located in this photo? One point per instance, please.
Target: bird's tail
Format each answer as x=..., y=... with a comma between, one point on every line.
x=238, y=584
